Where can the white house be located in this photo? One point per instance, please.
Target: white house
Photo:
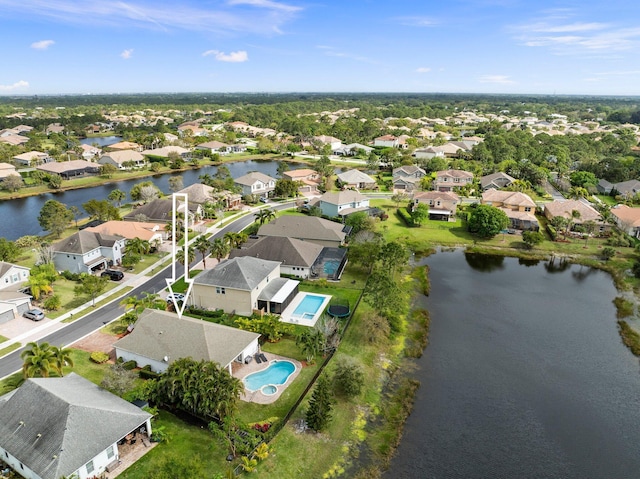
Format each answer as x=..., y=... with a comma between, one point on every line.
x=342, y=203
x=87, y=251
x=12, y=275
x=121, y=158
x=32, y=158
x=55, y=427
x=161, y=337
x=386, y=141
x=256, y=183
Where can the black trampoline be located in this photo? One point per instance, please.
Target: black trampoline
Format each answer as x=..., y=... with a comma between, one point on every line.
x=339, y=309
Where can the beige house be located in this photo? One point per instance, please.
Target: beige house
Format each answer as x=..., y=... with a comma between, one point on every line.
x=447, y=180
x=309, y=179
x=7, y=170
x=243, y=285
x=442, y=204
x=151, y=232
x=519, y=207
x=627, y=219
x=32, y=158
x=566, y=209
x=357, y=179
x=306, y=228
x=123, y=157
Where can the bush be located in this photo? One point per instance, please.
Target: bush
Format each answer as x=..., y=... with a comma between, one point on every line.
x=99, y=357
x=52, y=303
x=218, y=313
x=348, y=378
x=129, y=365
x=147, y=374
x=71, y=276
x=405, y=216
x=552, y=232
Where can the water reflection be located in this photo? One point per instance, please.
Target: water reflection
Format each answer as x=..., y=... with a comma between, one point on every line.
x=484, y=262
x=557, y=265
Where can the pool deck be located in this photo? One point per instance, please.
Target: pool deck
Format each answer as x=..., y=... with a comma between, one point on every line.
x=240, y=371
x=287, y=314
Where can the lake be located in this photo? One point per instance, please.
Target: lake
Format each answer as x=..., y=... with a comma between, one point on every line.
x=525, y=375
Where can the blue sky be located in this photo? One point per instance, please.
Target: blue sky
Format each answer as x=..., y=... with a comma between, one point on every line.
x=454, y=46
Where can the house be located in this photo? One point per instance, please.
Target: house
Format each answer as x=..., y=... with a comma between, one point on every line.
x=243, y=285
x=54, y=128
x=428, y=153
x=65, y=427
x=447, y=180
x=90, y=152
x=307, y=228
x=124, y=145
x=627, y=219
x=7, y=169
x=627, y=188
x=165, y=151
x=386, y=141
x=201, y=194
x=296, y=257
x=604, y=187
x=496, y=181
x=332, y=141
x=442, y=204
x=357, y=179
x=123, y=159
x=161, y=337
x=566, y=209
x=87, y=252
x=12, y=139
x=342, y=203
x=309, y=179
x=13, y=302
x=352, y=149
x=214, y=147
x=161, y=210
x=12, y=275
x=70, y=169
x=151, y=232
x=519, y=207
x=32, y=158
x=407, y=178
x=256, y=183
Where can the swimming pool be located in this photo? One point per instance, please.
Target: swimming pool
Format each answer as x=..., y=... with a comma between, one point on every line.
x=266, y=380
x=308, y=307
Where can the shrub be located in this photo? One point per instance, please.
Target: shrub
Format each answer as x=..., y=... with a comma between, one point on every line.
x=52, y=303
x=608, y=252
x=71, y=276
x=129, y=365
x=552, y=232
x=348, y=378
x=147, y=374
x=405, y=216
x=99, y=357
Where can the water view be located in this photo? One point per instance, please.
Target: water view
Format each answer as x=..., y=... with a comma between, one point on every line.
x=525, y=375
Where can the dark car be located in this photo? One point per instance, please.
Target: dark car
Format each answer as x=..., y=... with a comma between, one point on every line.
x=113, y=274
x=34, y=314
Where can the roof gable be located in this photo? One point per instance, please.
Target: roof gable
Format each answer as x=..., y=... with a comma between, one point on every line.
x=243, y=273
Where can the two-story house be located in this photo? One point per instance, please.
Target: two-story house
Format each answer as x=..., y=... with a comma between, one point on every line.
x=519, y=207
x=496, y=181
x=87, y=252
x=442, y=204
x=342, y=203
x=256, y=183
x=447, y=180
x=309, y=179
x=12, y=301
x=407, y=178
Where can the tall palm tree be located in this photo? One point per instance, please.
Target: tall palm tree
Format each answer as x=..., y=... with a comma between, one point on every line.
x=202, y=245
x=235, y=240
x=38, y=360
x=265, y=215
x=138, y=246
x=62, y=357
x=191, y=255
x=219, y=248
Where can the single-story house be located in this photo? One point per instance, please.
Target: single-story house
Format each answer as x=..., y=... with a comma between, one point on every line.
x=7, y=169
x=256, y=183
x=566, y=208
x=519, y=207
x=161, y=337
x=307, y=228
x=496, y=181
x=123, y=159
x=90, y=152
x=447, y=180
x=15, y=140
x=627, y=188
x=161, y=210
x=166, y=150
x=151, y=232
x=627, y=219
x=214, y=147
x=442, y=204
x=309, y=179
x=428, y=153
x=123, y=145
x=243, y=285
x=65, y=427
x=604, y=187
x=342, y=203
x=87, y=251
x=54, y=128
x=70, y=169
x=386, y=141
x=332, y=141
x=296, y=257
x=357, y=179
x=352, y=149
x=32, y=158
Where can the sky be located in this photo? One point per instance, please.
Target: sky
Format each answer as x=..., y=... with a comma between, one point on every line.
x=591, y=47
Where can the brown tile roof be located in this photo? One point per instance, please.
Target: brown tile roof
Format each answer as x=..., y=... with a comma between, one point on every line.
x=564, y=209
x=511, y=198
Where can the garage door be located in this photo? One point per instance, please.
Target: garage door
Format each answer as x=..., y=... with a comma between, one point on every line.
x=23, y=308
x=6, y=316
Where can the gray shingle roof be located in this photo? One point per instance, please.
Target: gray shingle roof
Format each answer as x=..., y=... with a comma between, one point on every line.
x=160, y=333
x=250, y=178
x=76, y=420
x=288, y=251
x=304, y=228
x=238, y=273
x=84, y=241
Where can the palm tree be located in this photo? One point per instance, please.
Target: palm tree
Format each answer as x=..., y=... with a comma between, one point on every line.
x=38, y=360
x=264, y=216
x=235, y=240
x=219, y=248
x=62, y=357
x=191, y=255
x=138, y=246
x=39, y=284
x=202, y=245
x=132, y=303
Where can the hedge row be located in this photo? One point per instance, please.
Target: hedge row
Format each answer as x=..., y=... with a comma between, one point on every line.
x=405, y=216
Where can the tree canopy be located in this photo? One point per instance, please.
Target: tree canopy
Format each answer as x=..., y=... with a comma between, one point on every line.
x=487, y=221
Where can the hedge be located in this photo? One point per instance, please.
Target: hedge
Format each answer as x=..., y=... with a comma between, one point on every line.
x=552, y=232
x=129, y=365
x=405, y=216
x=146, y=374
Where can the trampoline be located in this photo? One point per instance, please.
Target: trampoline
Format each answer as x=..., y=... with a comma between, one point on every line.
x=339, y=309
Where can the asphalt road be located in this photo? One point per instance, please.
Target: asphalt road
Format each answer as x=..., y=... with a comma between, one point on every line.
x=107, y=313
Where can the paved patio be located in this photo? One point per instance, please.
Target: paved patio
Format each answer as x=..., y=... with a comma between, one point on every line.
x=240, y=371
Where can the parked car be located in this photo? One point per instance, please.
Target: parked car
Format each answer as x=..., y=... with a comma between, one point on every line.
x=175, y=297
x=264, y=200
x=113, y=274
x=34, y=314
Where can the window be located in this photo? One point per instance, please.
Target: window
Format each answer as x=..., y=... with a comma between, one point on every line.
x=220, y=290
x=527, y=208
x=110, y=452
x=89, y=467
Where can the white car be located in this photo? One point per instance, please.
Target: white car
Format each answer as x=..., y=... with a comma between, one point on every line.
x=175, y=297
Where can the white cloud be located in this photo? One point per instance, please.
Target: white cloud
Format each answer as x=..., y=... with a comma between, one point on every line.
x=42, y=44
x=416, y=21
x=245, y=16
x=19, y=85
x=500, y=79
x=232, y=57
x=423, y=70
x=126, y=54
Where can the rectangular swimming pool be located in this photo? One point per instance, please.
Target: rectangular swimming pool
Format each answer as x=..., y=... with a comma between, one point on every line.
x=309, y=306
